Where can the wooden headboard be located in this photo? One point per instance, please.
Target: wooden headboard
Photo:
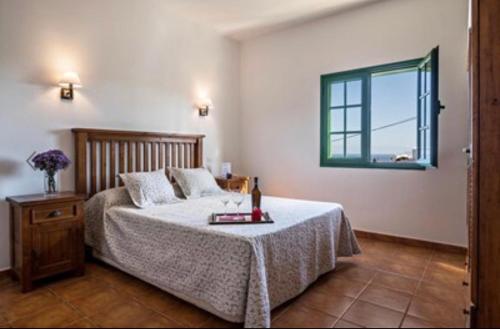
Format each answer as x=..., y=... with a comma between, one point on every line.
x=100, y=155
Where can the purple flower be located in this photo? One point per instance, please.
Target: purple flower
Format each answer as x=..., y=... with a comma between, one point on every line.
x=51, y=161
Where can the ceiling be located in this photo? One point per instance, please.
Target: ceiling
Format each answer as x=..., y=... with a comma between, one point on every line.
x=244, y=19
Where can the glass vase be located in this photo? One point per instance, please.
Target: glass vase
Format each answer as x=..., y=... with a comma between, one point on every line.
x=50, y=183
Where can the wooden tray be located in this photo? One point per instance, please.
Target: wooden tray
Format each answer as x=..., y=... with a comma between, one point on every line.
x=219, y=219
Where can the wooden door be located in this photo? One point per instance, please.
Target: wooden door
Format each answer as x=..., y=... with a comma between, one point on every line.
x=56, y=248
x=485, y=175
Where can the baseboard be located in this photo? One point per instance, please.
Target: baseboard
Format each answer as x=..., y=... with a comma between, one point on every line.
x=4, y=271
x=411, y=242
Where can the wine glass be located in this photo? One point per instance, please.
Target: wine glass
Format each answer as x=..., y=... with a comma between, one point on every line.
x=238, y=199
x=225, y=201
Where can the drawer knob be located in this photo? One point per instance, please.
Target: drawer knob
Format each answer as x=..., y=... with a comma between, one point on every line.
x=55, y=213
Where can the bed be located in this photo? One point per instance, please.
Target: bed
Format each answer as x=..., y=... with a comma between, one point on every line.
x=239, y=273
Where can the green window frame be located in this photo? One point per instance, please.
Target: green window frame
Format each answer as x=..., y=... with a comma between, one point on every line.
x=336, y=110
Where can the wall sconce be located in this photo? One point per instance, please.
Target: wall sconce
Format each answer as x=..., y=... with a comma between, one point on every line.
x=69, y=81
x=204, y=106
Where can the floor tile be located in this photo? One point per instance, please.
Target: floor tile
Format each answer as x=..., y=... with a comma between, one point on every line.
x=354, y=273
x=215, y=322
x=446, y=276
x=112, y=277
x=441, y=293
x=396, y=282
x=437, y=312
x=187, y=314
x=157, y=321
x=56, y=316
x=334, y=305
x=128, y=314
x=302, y=317
x=346, y=324
x=99, y=301
x=455, y=259
x=338, y=286
x=449, y=259
x=30, y=304
x=412, y=258
x=12, y=294
x=413, y=322
x=3, y=320
x=132, y=286
x=385, y=297
x=159, y=301
x=370, y=315
x=409, y=271
x=78, y=288
x=82, y=323
x=98, y=269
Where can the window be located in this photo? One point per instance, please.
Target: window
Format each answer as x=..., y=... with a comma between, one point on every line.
x=382, y=117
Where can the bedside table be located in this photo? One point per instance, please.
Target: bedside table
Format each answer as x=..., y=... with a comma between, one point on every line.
x=240, y=183
x=47, y=236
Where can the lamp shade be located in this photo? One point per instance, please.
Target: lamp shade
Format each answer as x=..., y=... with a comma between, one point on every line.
x=205, y=103
x=70, y=78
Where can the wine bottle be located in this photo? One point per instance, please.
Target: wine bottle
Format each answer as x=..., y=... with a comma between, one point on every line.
x=256, y=195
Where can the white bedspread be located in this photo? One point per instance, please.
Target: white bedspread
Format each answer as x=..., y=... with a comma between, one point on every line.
x=238, y=272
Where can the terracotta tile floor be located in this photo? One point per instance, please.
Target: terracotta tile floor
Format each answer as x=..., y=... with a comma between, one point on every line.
x=389, y=286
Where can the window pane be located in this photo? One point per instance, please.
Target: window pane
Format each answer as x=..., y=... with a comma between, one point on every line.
x=422, y=112
x=394, y=116
x=428, y=111
x=337, y=146
x=337, y=94
x=354, y=146
x=428, y=145
x=354, y=119
x=428, y=81
x=337, y=120
x=423, y=82
x=422, y=144
x=354, y=92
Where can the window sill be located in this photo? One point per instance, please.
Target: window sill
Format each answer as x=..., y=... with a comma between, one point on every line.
x=394, y=166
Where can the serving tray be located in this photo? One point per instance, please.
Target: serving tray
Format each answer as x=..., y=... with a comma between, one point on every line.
x=244, y=219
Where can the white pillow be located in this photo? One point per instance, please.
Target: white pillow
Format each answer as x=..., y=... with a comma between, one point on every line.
x=149, y=188
x=196, y=183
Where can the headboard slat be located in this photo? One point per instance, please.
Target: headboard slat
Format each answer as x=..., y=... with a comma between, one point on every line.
x=121, y=156
x=93, y=167
x=112, y=164
x=174, y=155
x=104, y=166
x=96, y=155
x=154, y=158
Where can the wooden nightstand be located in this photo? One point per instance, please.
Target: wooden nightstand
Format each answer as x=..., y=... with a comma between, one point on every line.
x=235, y=183
x=47, y=236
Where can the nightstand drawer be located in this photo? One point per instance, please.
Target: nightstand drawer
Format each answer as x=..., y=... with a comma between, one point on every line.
x=51, y=213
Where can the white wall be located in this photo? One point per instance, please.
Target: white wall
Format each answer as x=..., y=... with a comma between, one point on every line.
x=281, y=115
x=141, y=68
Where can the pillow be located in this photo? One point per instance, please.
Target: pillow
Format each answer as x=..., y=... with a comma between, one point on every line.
x=196, y=183
x=149, y=188
x=178, y=191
